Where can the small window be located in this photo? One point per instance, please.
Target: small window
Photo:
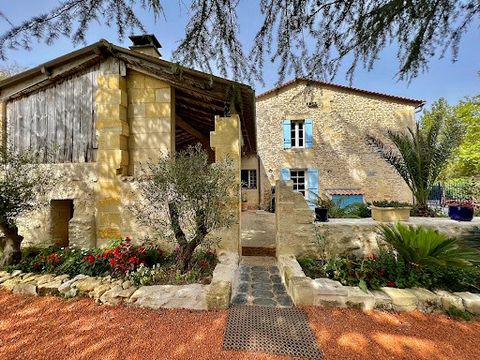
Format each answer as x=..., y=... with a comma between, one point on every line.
x=299, y=181
x=298, y=133
x=249, y=179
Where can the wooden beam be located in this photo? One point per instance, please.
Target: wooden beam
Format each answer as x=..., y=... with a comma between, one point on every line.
x=191, y=130
x=200, y=104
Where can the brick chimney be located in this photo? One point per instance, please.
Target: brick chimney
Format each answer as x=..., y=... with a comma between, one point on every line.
x=146, y=44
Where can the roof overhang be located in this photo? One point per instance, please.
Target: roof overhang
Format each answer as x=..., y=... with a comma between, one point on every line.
x=199, y=96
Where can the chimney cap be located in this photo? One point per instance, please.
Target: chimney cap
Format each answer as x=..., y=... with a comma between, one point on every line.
x=145, y=40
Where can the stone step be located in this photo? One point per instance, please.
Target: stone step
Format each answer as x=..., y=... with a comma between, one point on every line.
x=258, y=251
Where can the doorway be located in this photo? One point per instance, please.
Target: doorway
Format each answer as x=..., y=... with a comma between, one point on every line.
x=61, y=212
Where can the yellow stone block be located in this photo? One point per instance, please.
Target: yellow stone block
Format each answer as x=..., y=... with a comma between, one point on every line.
x=117, y=82
x=111, y=96
x=113, y=157
x=144, y=156
x=108, y=204
x=152, y=83
x=112, y=141
x=113, y=126
x=111, y=111
x=163, y=95
x=135, y=80
x=157, y=109
x=109, y=219
x=136, y=110
x=151, y=140
x=148, y=125
x=136, y=96
x=109, y=233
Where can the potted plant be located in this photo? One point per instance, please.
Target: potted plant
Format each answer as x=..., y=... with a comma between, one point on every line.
x=390, y=210
x=322, y=204
x=461, y=210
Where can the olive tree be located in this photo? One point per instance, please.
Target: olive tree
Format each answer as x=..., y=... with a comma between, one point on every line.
x=22, y=181
x=185, y=199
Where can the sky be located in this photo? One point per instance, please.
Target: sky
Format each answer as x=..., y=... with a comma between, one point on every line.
x=444, y=78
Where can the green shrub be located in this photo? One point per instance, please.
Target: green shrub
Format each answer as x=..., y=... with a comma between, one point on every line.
x=425, y=246
x=459, y=314
x=355, y=211
x=390, y=203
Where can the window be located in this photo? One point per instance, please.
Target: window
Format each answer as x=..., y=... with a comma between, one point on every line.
x=249, y=179
x=298, y=133
x=299, y=181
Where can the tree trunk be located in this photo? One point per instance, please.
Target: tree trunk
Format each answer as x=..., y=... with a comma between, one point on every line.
x=187, y=253
x=11, y=245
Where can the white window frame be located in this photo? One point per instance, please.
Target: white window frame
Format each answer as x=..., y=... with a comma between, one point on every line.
x=295, y=131
x=248, y=185
x=305, y=177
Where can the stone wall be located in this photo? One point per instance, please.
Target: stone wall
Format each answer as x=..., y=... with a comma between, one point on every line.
x=360, y=237
x=293, y=221
x=341, y=120
x=72, y=181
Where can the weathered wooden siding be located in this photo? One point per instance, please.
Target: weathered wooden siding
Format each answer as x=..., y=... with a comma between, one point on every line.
x=58, y=121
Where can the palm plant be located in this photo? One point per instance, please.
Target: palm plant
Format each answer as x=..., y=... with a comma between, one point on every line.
x=427, y=247
x=419, y=155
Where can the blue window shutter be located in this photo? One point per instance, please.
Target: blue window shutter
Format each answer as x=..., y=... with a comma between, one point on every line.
x=287, y=134
x=285, y=174
x=308, y=133
x=313, y=188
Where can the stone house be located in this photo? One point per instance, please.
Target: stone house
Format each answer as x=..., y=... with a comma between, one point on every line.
x=96, y=114
x=313, y=133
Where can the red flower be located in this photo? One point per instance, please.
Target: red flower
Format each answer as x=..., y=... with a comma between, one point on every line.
x=204, y=264
x=112, y=262
x=89, y=258
x=381, y=272
x=133, y=260
x=127, y=238
x=116, y=252
x=36, y=266
x=391, y=284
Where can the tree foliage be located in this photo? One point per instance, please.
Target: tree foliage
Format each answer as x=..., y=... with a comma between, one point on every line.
x=186, y=199
x=22, y=180
x=466, y=161
x=306, y=37
x=419, y=155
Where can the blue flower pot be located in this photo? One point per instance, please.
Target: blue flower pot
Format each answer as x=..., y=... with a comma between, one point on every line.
x=460, y=213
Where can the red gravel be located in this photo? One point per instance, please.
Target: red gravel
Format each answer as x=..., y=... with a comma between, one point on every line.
x=52, y=328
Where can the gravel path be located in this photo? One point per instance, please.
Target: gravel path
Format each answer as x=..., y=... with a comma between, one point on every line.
x=52, y=328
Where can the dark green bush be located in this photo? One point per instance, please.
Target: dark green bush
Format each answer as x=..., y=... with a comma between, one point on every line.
x=390, y=203
x=387, y=269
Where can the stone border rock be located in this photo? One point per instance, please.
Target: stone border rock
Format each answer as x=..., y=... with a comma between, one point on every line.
x=111, y=291
x=330, y=293
x=220, y=292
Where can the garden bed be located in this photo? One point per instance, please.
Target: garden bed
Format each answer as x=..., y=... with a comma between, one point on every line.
x=142, y=275
x=326, y=292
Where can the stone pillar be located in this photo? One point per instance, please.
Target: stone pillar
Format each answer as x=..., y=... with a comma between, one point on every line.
x=112, y=154
x=226, y=141
x=293, y=221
